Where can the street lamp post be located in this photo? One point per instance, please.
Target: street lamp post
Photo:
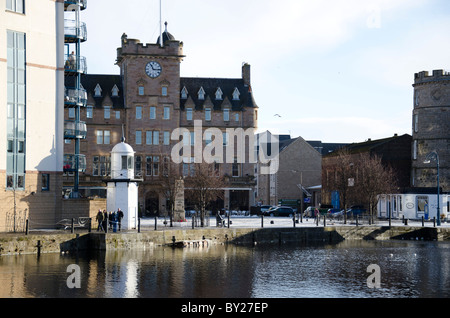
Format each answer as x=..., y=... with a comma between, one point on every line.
x=434, y=156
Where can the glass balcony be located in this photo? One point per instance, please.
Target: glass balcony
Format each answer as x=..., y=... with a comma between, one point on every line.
x=76, y=97
x=70, y=162
x=69, y=3
x=74, y=31
x=74, y=65
x=74, y=130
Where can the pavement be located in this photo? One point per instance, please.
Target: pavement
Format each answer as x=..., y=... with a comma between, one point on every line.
x=279, y=222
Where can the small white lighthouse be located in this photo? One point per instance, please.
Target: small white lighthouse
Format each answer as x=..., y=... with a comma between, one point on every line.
x=122, y=190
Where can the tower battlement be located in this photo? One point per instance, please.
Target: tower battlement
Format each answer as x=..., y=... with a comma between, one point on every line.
x=437, y=75
x=135, y=47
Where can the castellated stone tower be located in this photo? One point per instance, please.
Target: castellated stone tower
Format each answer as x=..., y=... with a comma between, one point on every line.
x=431, y=128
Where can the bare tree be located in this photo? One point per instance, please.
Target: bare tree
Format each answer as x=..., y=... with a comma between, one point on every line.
x=202, y=186
x=343, y=175
x=169, y=176
x=373, y=178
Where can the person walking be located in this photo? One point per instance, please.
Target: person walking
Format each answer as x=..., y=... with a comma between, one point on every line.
x=99, y=219
x=119, y=217
x=105, y=221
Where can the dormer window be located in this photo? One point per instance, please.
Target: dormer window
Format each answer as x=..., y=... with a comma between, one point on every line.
x=98, y=91
x=115, y=91
x=219, y=94
x=184, y=93
x=201, y=93
x=236, y=94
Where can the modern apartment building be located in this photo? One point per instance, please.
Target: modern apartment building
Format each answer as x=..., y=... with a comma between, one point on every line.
x=31, y=110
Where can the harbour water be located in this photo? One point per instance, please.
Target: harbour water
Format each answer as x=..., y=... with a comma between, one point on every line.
x=405, y=268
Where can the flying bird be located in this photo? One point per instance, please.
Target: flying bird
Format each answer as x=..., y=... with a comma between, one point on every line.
x=276, y=115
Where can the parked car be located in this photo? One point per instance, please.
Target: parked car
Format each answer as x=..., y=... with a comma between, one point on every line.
x=265, y=208
x=260, y=209
x=279, y=211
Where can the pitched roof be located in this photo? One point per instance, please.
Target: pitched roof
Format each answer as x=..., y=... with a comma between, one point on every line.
x=210, y=86
x=370, y=145
x=107, y=83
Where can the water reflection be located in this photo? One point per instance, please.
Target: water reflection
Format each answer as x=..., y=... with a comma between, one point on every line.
x=408, y=269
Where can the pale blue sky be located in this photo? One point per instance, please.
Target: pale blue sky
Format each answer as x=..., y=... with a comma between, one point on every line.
x=334, y=70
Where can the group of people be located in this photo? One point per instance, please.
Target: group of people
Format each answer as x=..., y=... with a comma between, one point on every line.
x=109, y=220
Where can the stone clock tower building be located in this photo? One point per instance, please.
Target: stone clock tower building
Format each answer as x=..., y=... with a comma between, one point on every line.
x=157, y=100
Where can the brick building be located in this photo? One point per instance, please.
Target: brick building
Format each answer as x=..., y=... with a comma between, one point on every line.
x=147, y=102
x=394, y=152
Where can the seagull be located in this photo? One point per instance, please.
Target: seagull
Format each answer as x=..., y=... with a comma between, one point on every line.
x=276, y=115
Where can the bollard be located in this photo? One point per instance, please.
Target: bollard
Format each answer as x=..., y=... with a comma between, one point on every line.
x=356, y=218
x=139, y=225
x=193, y=221
x=262, y=220
x=173, y=240
x=26, y=227
x=156, y=223
x=406, y=222
x=73, y=226
x=38, y=248
x=293, y=219
x=228, y=220
x=324, y=220
x=434, y=221
x=423, y=221
x=90, y=225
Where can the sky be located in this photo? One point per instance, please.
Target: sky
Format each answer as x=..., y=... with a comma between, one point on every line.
x=331, y=70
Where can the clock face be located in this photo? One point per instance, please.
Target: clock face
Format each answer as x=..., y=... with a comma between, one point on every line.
x=153, y=69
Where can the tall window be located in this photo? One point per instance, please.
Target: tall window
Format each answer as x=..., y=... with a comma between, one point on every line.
x=89, y=112
x=166, y=138
x=138, y=165
x=189, y=113
x=138, y=137
x=166, y=112
x=107, y=112
x=16, y=5
x=15, y=125
x=226, y=115
x=207, y=114
x=138, y=112
x=152, y=112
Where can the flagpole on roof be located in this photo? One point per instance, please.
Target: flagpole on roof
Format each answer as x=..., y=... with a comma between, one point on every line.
x=160, y=24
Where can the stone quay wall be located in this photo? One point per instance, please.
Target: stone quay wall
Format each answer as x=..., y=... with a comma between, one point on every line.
x=14, y=244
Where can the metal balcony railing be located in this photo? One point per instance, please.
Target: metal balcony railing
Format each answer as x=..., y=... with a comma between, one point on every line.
x=74, y=31
x=72, y=65
x=74, y=130
x=77, y=97
x=70, y=161
x=81, y=3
